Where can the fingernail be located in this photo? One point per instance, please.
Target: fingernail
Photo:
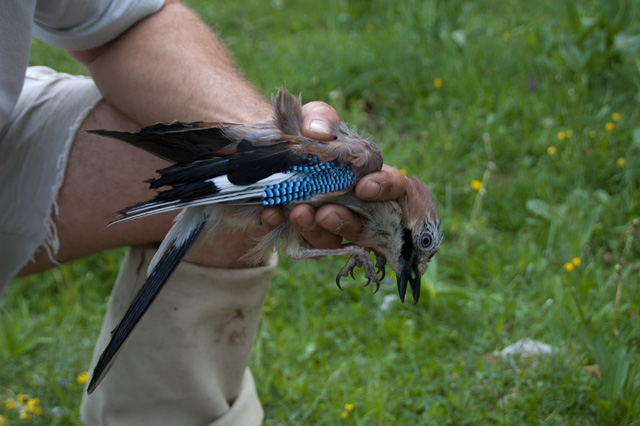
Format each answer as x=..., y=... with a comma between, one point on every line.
x=320, y=127
x=371, y=190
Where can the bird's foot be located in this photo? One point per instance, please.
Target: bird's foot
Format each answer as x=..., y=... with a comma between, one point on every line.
x=362, y=259
x=358, y=257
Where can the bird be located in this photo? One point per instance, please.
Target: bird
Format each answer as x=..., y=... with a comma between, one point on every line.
x=223, y=174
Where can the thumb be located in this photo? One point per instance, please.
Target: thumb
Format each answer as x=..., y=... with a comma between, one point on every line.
x=318, y=119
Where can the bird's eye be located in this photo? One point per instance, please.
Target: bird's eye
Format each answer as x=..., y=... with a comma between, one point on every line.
x=430, y=238
x=426, y=240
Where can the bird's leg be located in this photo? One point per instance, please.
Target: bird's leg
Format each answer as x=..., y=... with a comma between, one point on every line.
x=358, y=257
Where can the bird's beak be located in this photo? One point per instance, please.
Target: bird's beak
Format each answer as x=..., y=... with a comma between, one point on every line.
x=409, y=269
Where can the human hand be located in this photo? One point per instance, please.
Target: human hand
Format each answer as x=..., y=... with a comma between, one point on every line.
x=326, y=226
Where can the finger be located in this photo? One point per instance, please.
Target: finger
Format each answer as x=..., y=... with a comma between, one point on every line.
x=303, y=220
x=340, y=221
x=386, y=184
x=271, y=217
x=317, y=120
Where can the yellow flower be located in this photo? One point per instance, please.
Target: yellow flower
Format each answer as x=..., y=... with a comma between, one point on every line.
x=32, y=405
x=551, y=150
x=82, y=377
x=575, y=261
x=476, y=184
x=609, y=126
x=568, y=266
x=506, y=36
x=344, y=415
x=403, y=171
x=24, y=413
x=27, y=407
x=3, y=420
x=620, y=162
x=615, y=116
x=348, y=406
x=10, y=404
x=437, y=83
x=562, y=135
x=593, y=134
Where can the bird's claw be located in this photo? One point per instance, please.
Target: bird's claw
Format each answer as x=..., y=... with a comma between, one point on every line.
x=347, y=269
x=341, y=274
x=372, y=272
x=380, y=264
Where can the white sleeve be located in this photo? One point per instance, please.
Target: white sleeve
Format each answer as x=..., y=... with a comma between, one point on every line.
x=84, y=24
x=15, y=39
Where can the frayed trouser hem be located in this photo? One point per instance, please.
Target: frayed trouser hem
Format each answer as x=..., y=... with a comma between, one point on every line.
x=34, y=149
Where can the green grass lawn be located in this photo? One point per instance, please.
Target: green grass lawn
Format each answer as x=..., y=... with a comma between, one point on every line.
x=522, y=117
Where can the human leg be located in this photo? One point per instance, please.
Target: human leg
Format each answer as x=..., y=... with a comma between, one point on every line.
x=197, y=306
x=185, y=363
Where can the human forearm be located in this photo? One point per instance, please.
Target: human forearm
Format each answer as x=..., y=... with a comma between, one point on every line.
x=170, y=66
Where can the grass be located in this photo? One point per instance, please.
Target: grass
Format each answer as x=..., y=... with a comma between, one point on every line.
x=538, y=102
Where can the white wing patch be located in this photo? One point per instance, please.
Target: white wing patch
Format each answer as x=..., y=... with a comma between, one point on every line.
x=228, y=193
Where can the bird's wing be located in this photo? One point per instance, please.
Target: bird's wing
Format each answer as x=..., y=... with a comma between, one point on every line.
x=265, y=170
x=188, y=226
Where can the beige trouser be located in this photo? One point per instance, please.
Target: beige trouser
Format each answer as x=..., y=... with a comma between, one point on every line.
x=186, y=361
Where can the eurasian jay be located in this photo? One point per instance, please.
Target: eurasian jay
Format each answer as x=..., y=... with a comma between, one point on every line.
x=223, y=174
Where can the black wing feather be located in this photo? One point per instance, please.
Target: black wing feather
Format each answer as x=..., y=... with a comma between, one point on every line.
x=245, y=166
x=177, y=142
x=141, y=302
x=248, y=167
x=197, y=171
x=173, y=127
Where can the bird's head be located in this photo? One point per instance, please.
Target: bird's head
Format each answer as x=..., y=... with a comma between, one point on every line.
x=421, y=237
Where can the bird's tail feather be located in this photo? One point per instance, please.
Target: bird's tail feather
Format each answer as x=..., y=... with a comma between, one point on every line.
x=162, y=270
